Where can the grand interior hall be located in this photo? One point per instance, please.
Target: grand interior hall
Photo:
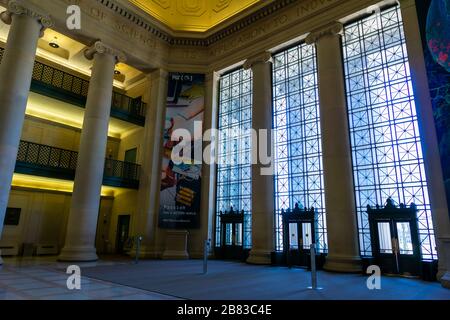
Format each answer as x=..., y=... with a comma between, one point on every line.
x=224, y=150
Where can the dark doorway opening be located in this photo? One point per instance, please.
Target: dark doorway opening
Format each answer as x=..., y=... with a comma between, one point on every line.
x=123, y=232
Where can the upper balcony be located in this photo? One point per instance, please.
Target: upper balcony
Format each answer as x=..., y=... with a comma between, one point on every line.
x=46, y=161
x=71, y=89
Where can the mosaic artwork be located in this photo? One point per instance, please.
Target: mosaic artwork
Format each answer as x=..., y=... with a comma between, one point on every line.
x=437, y=13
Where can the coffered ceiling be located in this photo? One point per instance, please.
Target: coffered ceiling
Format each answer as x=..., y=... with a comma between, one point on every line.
x=197, y=15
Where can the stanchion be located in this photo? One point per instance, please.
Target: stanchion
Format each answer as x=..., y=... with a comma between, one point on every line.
x=138, y=248
x=205, y=256
x=313, y=268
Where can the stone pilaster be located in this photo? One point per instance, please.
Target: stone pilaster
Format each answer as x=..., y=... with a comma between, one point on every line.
x=208, y=189
x=343, y=253
x=150, y=180
x=262, y=185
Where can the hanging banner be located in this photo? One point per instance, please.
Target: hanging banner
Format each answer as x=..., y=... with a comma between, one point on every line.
x=181, y=174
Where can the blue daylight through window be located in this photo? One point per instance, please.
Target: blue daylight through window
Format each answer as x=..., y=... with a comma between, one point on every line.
x=298, y=149
x=234, y=156
x=386, y=145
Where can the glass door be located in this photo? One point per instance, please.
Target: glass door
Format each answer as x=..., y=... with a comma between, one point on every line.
x=300, y=240
x=397, y=247
x=232, y=240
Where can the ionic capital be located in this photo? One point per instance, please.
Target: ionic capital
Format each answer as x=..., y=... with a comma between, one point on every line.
x=331, y=29
x=264, y=57
x=18, y=8
x=102, y=48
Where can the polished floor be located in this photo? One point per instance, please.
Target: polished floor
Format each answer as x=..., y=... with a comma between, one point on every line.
x=46, y=279
x=118, y=279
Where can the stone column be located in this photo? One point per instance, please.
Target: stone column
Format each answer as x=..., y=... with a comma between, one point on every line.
x=343, y=250
x=208, y=190
x=82, y=224
x=262, y=185
x=16, y=69
x=150, y=180
x=430, y=146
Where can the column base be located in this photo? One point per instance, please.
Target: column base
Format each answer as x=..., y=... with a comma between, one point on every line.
x=175, y=255
x=343, y=264
x=176, y=246
x=444, y=261
x=78, y=254
x=260, y=257
x=441, y=273
x=445, y=280
x=146, y=253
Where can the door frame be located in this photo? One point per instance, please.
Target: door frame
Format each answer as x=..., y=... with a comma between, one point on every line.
x=301, y=256
x=395, y=262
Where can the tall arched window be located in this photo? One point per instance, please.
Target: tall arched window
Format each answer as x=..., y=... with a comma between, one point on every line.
x=234, y=150
x=386, y=144
x=298, y=149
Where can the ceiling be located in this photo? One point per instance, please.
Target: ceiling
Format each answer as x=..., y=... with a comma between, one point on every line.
x=196, y=15
x=57, y=111
x=50, y=184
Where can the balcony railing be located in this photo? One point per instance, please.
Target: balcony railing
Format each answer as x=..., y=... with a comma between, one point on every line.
x=42, y=160
x=64, y=86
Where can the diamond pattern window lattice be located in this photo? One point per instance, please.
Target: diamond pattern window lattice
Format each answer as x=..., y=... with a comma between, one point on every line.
x=298, y=153
x=387, y=156
x=234, y=159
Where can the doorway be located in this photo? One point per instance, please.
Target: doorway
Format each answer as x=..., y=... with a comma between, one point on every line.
x=232, y=236
x=131, y=155
x=395, y=239
x=299, y=233
x=123, y=232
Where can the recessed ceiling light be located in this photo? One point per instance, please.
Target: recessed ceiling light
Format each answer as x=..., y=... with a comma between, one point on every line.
x=54, y=44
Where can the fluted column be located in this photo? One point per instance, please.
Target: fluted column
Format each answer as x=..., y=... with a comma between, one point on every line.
x=262, y=185
x=82, y=224
x=343, y=250
x=16, y=68
x=150, y=180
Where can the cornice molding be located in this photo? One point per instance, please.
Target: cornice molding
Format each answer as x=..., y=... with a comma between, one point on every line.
x=102, y=48
x=246, y=21
x=332, y=29
x=199, y=42
x=18, y=8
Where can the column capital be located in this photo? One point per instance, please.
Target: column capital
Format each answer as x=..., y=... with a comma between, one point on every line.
x=102, y=48
x=212, y=76
x=157, y=73
x=18, y=8
x=331, y=29
x=263, y=57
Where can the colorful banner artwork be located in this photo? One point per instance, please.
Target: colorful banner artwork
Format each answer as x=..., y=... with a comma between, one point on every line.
x=181, y=180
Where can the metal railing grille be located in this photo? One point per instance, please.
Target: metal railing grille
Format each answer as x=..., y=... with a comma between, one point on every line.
x=51, y=76
x=50, y=157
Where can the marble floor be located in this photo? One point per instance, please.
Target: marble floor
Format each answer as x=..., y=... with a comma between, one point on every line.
x=113, y=278
x=46, y=279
